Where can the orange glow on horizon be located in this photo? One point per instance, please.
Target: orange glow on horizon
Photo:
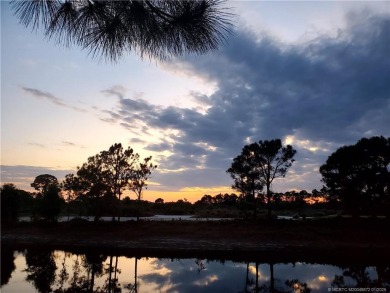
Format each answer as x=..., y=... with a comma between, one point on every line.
x=192, y=194
x=314, y=200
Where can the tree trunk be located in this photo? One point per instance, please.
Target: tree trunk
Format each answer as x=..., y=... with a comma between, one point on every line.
x=109, y=276
x=120, y=208
x=135, y=276
x=138, y=203
x=116, y=267
x=247, y=277
x=272, y=280
x=254, y=202
x=92, y=278
x=139, y=206
x=269, y=202
x=97, y=207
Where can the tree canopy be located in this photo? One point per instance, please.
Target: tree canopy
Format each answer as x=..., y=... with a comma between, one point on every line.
x=153, y=28
x=359, y=175
x=107, y=175
x=140, y=175
x=245, y=172
x=118, y=165
x=50, y=203
x=42, y=182
x=10, y=203
x=258, y=165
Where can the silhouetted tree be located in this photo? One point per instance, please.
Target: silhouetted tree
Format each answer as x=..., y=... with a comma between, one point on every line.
x=50, y=203
x=151, y=28
x=218, y=199
x=105, y=175
x=246, y=173
x=42, y=182
x=89, y=183
x=10, y=203
x=26, y=201
x=359, y=175
x=140, y=175
x=159, y=201
x=207, y=199
x=70, y=194
x=70, y=186
x=118, y=168
x=275, y=160
x=230, y=199
x=76, y=191
x=259, y=164
x=118, y=164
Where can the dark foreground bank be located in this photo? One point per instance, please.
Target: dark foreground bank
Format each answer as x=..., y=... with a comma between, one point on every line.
x=336, y=240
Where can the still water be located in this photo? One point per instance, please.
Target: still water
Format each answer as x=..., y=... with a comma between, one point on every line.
x=36, y=270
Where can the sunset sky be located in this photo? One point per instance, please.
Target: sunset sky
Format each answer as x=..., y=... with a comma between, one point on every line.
x=314, y=74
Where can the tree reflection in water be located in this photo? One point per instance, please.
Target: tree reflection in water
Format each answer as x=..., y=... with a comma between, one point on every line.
x=41, y=269
x=7, y=264
x=64, y=272
x=63, y=275
x=133, y=287
x=355, y=276
x=253, y=285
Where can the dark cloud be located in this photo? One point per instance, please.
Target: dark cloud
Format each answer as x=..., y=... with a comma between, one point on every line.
x=50, y=97
x=325, y=93
x=200, y=98
x=159, y=147
x=191, y=177
x=325, y=90
x=136, y=105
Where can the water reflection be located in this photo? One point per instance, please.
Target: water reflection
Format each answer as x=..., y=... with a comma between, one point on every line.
x=7, y=264
x=60, y=271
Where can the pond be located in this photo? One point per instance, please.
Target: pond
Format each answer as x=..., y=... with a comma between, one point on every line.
x=39, y=270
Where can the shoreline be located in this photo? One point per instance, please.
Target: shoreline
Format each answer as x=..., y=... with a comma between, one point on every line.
x=330, y=241
x=222, y=250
